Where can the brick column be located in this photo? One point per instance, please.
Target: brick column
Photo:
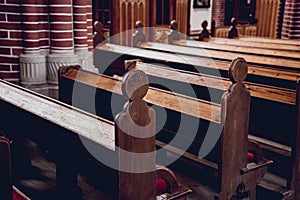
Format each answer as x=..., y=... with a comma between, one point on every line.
x=81, y=34
x=90, y=24
x=32, y=62
x=291, y=20
x=218, y=12
x=280, y=18
x=61, y=38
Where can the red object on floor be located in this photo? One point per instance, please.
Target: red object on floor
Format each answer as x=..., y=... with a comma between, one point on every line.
x=17, y=196
x=250, y=157
x=161, y=186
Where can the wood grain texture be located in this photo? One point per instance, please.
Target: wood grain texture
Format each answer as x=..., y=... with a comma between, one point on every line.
x=255, y=43
x=135, y=127
x=256, y=90
x=234, y=140
x=195, y=61
x=180, y=103
x=214, y=54
x=241, y=49
x=89, y=126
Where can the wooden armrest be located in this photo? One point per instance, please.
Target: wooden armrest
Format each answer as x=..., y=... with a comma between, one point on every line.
x=260, y=161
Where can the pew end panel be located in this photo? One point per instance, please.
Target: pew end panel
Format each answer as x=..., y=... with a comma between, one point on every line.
x=237, y=179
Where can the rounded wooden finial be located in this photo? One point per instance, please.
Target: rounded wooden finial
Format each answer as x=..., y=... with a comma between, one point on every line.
x=238, y=70
x=139, y=24
x=204, y=24
x=174, y=25
x=233, y=21
x=135, y=85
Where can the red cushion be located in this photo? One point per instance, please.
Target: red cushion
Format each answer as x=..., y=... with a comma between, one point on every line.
x=17, y=196
x=161, y=186
x=250, y=157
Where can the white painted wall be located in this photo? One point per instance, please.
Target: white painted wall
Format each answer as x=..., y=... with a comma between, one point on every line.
x=200, y=14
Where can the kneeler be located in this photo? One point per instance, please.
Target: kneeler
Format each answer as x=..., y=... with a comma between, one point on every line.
x=164, y=186
x=7, y=191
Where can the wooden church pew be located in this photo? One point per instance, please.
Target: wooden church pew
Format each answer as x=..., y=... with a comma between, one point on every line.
x=228, y=172
x=239, y=49
x=114, y=56
x=63, y=128
x=276, y=151
x=222, y=54
x=255, y=44
x=286, y=100
x=271, y=40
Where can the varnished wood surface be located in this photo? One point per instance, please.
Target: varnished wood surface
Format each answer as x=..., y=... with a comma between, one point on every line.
x=196, y=61
x=256, y=90
x=240, y=49
x=214, y=54
x=254, y=44
x=271, y=40
x=82, y=123
x=238, y=74
x=180, y=103
x=135, y=128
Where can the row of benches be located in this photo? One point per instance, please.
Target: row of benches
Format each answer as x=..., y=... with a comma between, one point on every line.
x=229, y=173
x=277, y=104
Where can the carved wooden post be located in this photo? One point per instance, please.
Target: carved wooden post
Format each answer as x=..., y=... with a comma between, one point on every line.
x=173, y=35
x=5, y=170
x=135, y=130
x=233, y=32
x=204, y=33
x=236, y=179
x=138, y=36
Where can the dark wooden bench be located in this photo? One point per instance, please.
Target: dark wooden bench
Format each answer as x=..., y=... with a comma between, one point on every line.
x=225, y=169
x=63, y=129
x=7, y=190
x=276, y=104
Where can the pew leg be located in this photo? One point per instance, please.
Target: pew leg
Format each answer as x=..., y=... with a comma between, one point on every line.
x=66, y=176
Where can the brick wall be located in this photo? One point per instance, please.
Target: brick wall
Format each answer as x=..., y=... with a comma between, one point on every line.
x=10, y=39
x=218, y=12
x=291, y=20
x=15, y=20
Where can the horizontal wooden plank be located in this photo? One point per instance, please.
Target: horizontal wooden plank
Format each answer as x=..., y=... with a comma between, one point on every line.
x=77, y=121
x=272, y=146
x=270, y=40
x=256, y=90
x=180, y=103
x=227, y=56
x=240, y=49
x=197, y=61
x=254, y=44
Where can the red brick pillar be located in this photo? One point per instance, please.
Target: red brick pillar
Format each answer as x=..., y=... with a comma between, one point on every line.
x=81, y=34
x=32, y=62
x=291, y=20
x=61, y=38
x=90, y=24
x=218, y=12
